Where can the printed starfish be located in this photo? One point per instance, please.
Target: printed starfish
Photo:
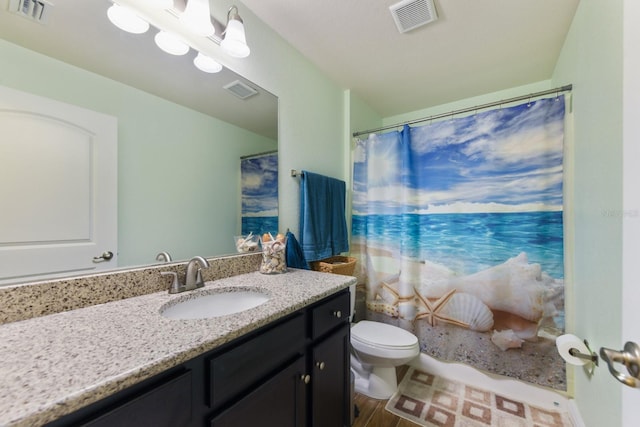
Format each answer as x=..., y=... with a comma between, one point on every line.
x=395, y=296
x=433, y=309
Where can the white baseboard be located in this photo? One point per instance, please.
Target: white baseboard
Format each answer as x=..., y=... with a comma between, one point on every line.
x=574, y=414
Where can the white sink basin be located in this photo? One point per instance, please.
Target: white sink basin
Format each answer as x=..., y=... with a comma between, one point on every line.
x=219, y=303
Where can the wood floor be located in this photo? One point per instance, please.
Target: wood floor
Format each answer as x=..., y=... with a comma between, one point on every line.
x=373, y=414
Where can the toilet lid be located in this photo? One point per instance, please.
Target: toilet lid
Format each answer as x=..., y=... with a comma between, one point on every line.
x=382, y=335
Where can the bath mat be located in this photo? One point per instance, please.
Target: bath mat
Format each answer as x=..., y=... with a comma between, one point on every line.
x=428, y=400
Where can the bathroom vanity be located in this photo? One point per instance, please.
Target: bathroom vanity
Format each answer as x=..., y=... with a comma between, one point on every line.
x=283, y=363
x=293, y=372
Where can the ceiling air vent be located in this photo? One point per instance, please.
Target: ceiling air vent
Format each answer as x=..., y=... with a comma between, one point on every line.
x=240, y=89
x=410, y=14
x=35, y=10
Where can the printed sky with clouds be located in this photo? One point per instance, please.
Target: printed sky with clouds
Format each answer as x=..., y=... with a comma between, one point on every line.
x=260, y=186
x=502, y=160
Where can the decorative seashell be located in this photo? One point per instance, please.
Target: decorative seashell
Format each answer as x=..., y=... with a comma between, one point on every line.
x=469, y=311
x=273, y=258
x=506, y=339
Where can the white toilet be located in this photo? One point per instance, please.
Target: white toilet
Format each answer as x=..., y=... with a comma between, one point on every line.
x=376, y=349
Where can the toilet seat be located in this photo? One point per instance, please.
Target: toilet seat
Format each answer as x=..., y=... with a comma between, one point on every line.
x=382, y=335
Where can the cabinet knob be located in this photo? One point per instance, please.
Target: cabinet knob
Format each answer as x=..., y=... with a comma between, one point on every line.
x=320, y=365
x=337, y=314
x=305, y=378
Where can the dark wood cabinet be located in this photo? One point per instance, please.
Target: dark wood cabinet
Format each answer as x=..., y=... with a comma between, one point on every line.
x=330, y=391
x=281, y=401
x=166, y=405
x=293, y=372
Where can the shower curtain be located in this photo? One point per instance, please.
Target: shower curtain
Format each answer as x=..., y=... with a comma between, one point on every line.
x=458, y=231
x=259, y=190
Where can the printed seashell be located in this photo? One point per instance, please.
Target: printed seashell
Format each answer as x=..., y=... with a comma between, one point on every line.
x=468, y=310
x=516, y=286
x=381, y=307
x=387, y=293
x=506, y=339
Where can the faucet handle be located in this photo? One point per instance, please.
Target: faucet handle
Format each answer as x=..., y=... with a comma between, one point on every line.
x=175, y=286
x=199, y=281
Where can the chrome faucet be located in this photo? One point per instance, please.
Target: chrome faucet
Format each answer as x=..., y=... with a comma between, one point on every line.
x=193, y=278
x=163, y=257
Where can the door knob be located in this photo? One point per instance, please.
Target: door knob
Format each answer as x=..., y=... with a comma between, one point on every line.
x=630, y=358
x=106, y=256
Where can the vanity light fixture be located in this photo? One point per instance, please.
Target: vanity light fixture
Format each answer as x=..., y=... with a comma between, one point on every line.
x=126, y=19
x=197, y=17
x=182, y=25
x=206, y=63
x=171, y=43
x=234, y=42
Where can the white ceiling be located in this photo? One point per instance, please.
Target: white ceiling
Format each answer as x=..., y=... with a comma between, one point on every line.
x=475, y=47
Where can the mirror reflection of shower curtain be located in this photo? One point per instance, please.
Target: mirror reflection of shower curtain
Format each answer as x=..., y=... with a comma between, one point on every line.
x=259, y=189
x=458, y=231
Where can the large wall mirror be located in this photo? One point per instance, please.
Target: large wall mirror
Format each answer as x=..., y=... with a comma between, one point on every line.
x=181, y=134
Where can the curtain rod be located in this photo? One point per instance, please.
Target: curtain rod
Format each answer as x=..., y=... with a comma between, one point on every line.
x=557, y=90
x=258, y=155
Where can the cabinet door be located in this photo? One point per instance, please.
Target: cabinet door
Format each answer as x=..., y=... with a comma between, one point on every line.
x=330, y=381
x=278, y=402
x=168, y=405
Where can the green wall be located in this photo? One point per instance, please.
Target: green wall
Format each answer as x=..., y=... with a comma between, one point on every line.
x=591, y=59
x=467, y=103
x=178, y=170
x=312, y=128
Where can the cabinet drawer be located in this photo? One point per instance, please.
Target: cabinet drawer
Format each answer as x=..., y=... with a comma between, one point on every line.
x=236, y=370
x=330, y=314
x=166, y=405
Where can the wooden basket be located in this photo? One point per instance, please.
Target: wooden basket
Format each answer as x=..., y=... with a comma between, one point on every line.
x=344, y=265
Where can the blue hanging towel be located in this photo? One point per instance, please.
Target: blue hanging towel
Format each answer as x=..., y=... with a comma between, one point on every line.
x=323, y=226
x=294, y=254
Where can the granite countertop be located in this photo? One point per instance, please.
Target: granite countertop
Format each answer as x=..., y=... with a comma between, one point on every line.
x=53, y=365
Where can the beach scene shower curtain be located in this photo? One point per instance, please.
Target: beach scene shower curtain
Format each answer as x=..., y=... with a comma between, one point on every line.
x=259, y=188
x=457, y=226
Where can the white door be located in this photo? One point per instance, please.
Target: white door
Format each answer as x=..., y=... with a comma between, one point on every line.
x=631, y=204
x=58, y=188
